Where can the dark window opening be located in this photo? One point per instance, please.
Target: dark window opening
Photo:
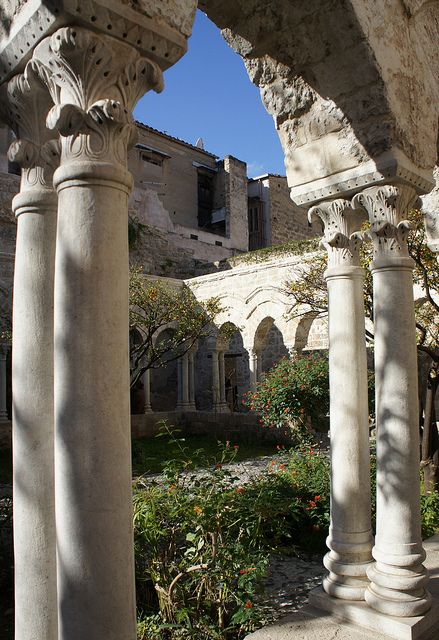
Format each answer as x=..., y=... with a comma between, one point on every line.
x=256, y=238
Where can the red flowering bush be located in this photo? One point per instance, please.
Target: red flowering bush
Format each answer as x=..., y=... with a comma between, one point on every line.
x=293, y=394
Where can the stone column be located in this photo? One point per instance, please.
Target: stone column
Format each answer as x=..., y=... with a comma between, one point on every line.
x=95, y=81
x=192, y=405
x=147, y=389
x=25, y=103
x=3, y=406
x=398, y=578
x=216, y=397
x=223, y=406
x=350, y=533
x=253, y=366
x=183, y=383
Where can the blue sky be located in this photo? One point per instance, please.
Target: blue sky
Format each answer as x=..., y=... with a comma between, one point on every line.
x=209, y=95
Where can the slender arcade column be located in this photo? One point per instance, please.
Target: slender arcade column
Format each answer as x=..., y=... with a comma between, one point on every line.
x=32, y=360
x=223, y=406
x=216, y=399
x=350, y=533
x=192, y=405
x=398, y=578
x=253, y=365
x=3, y=407
x=94, y=82
x=183, y=383
x=147, y=389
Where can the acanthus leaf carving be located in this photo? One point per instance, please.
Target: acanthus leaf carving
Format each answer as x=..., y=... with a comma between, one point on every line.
x=26, y=103
x=386, y=206
x=342, y=238
x=94, y=81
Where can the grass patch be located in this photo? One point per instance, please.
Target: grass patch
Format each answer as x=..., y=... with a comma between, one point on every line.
x=150, y=454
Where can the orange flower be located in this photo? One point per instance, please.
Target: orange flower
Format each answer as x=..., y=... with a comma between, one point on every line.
x=198, y=510
x=281, y=466
x=316, y=497
x=240, y=490
x=248, y=605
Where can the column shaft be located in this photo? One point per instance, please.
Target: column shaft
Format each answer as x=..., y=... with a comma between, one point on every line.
x=183, y=383
x=147, y=389
x=92, y=440
x=33, y=454
x=398, y=576
x=253, y=366
x=216, y=400
x=3, y=404
x=350, y=535
x=192, y=405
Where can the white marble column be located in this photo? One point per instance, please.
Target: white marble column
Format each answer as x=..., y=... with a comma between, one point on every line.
x=3, y=406
x=183, y=383
x=32, y=361
x=253, y=367
x=398, y=577
x=223, y=406
x=147, y=389
x=350, y=534
x=216, y=392
x=94, y=81
x=192, y=405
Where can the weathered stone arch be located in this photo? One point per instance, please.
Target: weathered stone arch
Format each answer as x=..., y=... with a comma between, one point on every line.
x=331, y=72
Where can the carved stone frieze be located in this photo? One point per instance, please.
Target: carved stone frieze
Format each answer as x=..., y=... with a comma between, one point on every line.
x=342, y=237
x=386, y=207
x=94, y=82
x=25, y=104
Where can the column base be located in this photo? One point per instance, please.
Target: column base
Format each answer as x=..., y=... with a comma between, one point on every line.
x=183, y=407
x=221, y=408
x=359, y=613
x=398, y=590
x=345, y=588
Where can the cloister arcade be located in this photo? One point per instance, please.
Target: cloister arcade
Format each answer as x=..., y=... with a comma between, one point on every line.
x=353, y=88
x=253, y=333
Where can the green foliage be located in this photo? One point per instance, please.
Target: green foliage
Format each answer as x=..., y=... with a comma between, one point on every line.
x=430, y=514
x=136, y=231
x=154, y=307
x=293, y=394
x=196, y=540
x=292, y=248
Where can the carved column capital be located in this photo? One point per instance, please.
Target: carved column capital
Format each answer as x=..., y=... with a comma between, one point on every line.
x=25, y=104
x=386, y=207
x=342, y=238
x=94, y=81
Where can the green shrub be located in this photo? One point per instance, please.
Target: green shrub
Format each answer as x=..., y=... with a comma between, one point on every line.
x=293, y=394
x=198, y=544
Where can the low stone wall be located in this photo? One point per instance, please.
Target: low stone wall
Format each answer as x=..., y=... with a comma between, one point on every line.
x=226, y=426
x=6, y=435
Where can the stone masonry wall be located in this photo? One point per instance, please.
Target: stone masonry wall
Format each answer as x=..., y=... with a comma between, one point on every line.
x=236, y=202
x=288, y=221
